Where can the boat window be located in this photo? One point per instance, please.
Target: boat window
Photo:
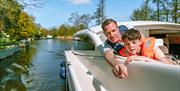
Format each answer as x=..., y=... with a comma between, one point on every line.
x=83, y=43
x=122, y=29
x=158, y=35
x=101, y=36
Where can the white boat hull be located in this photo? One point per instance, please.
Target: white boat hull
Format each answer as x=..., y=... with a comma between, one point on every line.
x=92, y=73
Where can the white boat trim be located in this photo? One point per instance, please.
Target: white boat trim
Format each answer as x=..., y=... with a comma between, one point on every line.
x=88, y=70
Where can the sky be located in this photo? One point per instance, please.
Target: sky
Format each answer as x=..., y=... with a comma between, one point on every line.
x=53, y=13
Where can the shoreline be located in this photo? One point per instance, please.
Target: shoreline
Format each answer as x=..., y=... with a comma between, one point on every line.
x=65, y=37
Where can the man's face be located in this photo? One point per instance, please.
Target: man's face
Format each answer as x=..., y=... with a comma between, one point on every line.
x=112, y=32
x=133, y=46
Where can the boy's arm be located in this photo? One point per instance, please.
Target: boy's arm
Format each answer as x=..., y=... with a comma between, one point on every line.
x=167, y=60
x=161, y=56
x=138, y=58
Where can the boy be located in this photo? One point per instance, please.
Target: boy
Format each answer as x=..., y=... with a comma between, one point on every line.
x=141, y=49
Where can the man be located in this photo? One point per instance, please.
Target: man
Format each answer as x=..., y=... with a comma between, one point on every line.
x=113, y=45
x=141, y=49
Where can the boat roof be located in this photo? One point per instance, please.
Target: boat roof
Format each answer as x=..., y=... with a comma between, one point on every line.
x=155, y=27
x=143, y=24
x=139, y=23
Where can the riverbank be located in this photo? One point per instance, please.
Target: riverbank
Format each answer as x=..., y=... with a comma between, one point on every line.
x=65, y=37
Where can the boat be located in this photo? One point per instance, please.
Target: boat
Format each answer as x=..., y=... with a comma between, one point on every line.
x=87, y=70
x=8, y=51
x=49, y=36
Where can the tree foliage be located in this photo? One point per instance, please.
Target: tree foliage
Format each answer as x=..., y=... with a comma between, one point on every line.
x=164, y=10
x=26, y=25
x=16, y=22
x=175, y=11
x=143, y=13
x=31, y=4
x=99, y=15
x=78, y=20
x=9, y=15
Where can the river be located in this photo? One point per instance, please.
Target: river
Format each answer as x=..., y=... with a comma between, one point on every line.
x=36, y=68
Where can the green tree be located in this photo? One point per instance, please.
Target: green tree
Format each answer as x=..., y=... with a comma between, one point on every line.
x=74, y=19
x=80, y=20
x=54, y=31
x=31, y=4
x=143, y=13
x=15, y=22
x=62, y=30
x=44, y=32
x=162, y=12
x=157, y=2
x=99, y=15
x=26, y=25
x=175, y=11
x=1, y=25
x=85, y=19
x=9, y=15
x=165, y=11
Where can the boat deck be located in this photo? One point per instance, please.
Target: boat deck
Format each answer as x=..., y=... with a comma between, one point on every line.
x=93, y=73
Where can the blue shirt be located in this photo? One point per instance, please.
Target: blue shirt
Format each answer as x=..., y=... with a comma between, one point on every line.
x=112, y=46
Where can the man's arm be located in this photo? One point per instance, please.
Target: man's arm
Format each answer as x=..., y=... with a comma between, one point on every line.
x=119, y=69
x=110, y=58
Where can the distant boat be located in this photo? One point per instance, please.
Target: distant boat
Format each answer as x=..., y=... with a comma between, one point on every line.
x=9, y=51
x=49, y=36
x=87, y=70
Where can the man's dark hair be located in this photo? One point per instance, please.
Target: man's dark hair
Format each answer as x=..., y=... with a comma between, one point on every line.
x=107, y=22
x=131, y=34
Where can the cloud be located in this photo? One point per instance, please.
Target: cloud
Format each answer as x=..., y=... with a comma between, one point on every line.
x=78, y=2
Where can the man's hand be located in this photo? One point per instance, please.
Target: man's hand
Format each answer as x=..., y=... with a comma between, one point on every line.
x=120, y=71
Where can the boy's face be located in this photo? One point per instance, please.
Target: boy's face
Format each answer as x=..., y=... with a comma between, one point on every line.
x=133, y=46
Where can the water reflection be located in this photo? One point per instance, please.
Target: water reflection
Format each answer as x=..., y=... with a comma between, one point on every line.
x=36, y=69
x=12, y=68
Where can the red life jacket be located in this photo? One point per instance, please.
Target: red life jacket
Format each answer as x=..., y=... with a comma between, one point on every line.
x=147, y=48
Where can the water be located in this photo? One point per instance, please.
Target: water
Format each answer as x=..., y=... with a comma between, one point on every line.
x=36, y=69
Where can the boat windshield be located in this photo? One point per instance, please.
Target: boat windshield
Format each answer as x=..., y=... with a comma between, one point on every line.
x=83, y=42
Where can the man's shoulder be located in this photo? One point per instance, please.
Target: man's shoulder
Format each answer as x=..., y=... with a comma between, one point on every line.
x=107, y=44
x=114, y=46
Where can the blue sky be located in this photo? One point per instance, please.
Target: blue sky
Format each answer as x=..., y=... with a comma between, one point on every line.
x=56, y=12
